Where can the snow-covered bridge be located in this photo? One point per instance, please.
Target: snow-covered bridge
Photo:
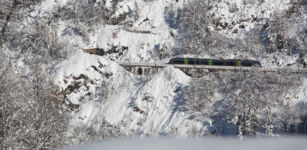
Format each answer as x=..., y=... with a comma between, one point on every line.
x=144, y=68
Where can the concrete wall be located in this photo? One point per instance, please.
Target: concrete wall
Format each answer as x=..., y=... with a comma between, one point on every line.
x=95, y=51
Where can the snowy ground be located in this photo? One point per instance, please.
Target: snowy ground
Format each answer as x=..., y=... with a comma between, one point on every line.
x=146, y=105
x=143, y=105
x=196, y=144
x=135, y=104
x=105, y=100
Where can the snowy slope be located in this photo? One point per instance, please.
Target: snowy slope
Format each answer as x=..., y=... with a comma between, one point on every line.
x=147, y=106
x=103, y=91
x=104, y=100
x=147, y=33
x=242, y=13
x=130, y=102
x=133, y=104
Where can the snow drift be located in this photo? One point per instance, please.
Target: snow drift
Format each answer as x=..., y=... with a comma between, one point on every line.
x=196, y=144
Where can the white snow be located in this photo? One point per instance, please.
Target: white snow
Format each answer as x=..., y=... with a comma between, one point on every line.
x=196, y=144
x=77, y=64
x=48, y=6
x=159, y=114
x=245, y=12
x=302, y=92
x=141, y=46
x=156, y=114
x=145, y=104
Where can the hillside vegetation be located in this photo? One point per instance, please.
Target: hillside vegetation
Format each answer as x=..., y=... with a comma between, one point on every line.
x=53, y=94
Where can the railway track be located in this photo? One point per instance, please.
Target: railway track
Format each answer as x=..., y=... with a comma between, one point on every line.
x=215, y=68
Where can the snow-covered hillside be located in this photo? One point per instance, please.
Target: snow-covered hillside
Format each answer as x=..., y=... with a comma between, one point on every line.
x=102, y=92
x=145, y=30
x=43, y=40
x=242, y=15
x=135, y=104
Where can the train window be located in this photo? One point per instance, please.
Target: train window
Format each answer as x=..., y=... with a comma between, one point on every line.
x=218, y=63
x=229, y=63
x=203, y=62
x=196, y=62
x=180, y=62
x=193, y=61
x=244, y=63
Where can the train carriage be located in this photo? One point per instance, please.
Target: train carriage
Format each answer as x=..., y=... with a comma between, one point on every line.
x=215, y=62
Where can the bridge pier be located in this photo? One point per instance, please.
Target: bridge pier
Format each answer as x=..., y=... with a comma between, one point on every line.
x=142, y=70
x=128, y=68
x=147, y=71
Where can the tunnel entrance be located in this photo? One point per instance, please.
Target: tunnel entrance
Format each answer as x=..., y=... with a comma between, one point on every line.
x=140, y=71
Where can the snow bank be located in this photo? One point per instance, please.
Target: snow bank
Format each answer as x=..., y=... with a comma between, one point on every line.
x=159, y=101
x=149, y=107
x=147, y=33
x=197, y=144
x=76, y=64
x=141, y=47
x=134, y=103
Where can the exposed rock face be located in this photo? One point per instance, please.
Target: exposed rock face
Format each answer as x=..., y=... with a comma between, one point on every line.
x=118, y=19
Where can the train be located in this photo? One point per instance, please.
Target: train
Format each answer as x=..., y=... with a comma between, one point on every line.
x=215, y=62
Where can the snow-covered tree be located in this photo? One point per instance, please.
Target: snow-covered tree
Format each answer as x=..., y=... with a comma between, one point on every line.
x=198, y=96
x=250, y=101
x=192, y=25
x=255, y=94
x=30, y=109
x=31, y=113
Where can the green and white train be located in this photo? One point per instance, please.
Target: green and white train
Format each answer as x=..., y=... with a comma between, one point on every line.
x=215, y=62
